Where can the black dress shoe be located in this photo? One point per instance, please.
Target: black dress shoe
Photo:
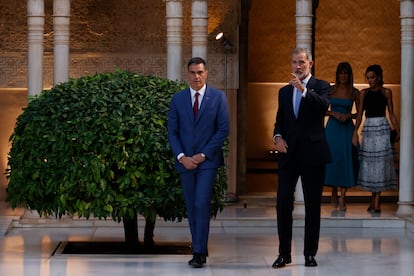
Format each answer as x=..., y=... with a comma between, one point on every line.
x=281, y=261
x=310, y=261
x=203, y=259
x=197, y=261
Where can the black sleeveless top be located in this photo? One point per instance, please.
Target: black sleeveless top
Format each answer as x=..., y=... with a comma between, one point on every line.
x=375, y=103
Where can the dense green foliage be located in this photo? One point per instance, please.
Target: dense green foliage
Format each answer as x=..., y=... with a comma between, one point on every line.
x=98, y=146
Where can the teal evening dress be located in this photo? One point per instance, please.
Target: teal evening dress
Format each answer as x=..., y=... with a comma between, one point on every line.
x=340, y=172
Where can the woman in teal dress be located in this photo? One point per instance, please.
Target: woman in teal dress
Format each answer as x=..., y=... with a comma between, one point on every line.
x=341, y=172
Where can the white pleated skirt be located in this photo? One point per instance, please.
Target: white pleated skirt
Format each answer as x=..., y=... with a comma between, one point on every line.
x=377, y=170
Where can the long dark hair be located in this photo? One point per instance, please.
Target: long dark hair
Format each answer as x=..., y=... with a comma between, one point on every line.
x=377, y=71
x=344, y=67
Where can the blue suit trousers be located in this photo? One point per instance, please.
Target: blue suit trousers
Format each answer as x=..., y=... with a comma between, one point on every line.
x=197, y=187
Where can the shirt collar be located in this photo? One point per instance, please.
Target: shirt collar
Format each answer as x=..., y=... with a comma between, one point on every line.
x=202, y=91
x=305, y=80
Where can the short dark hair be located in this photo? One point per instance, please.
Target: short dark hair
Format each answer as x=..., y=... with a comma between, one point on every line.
x=196, y=60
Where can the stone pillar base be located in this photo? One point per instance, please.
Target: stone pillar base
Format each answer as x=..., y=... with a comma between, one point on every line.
x=405, y=209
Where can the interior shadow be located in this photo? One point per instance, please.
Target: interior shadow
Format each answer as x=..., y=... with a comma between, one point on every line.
x=122, y=248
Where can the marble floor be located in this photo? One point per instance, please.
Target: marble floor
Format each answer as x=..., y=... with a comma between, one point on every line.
x=243, y=241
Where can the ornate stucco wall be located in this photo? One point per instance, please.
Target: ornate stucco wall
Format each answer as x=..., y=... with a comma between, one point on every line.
x=272, y=33
x=131, y=35
x=110, y=34
x=360, y=32
x=104, y=35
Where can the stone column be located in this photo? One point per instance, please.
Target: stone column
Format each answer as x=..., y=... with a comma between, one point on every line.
x=304, y=18
x=61, y=26
x=200, y=28
x=406, y=193
x=35, y=25
x=174, y=15
x=303, y=40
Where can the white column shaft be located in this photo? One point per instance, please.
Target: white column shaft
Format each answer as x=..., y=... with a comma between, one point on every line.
x=174, y=15
x=304, y=24
x=35, y=23
x=199, y=12
x=406, y=192
x=61, y=27
x=303, y=40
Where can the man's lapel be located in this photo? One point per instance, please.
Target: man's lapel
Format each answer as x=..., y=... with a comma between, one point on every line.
x=204, y=103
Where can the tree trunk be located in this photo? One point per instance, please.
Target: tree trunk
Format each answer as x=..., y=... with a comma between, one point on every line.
x=131, y=231
x=149, y=233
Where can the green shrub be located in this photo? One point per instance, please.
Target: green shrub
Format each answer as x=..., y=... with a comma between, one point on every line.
x=98, y=146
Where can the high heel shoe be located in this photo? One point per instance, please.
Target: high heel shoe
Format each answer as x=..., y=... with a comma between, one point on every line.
x=341, y=203
x=334, y=201
x=373, y=210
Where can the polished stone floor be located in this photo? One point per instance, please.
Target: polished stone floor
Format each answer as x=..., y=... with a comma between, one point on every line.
x=243, y=241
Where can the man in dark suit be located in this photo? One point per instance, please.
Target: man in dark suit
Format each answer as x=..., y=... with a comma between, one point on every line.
x=299, y=136
x=198, y=125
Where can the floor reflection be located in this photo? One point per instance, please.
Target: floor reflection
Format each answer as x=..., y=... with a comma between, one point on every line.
x=242, y=242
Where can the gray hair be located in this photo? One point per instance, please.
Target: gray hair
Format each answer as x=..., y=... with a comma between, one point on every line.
x=302, y=50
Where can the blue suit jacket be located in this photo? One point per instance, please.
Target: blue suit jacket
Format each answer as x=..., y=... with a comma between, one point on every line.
x=305, y=135
x=206, y=134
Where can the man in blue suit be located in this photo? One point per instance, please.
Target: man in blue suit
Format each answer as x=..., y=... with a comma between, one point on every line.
x=198, y=125
x=299, y=137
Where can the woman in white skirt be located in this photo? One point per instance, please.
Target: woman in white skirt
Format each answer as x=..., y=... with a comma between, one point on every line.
x=377, y=171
